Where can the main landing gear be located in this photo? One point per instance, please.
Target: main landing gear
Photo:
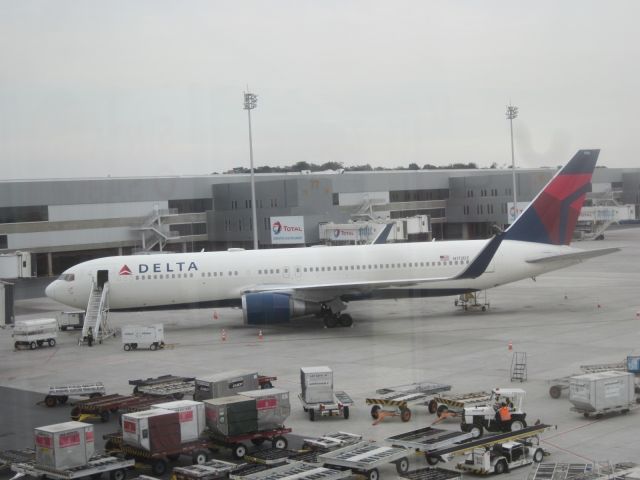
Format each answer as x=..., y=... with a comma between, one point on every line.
x=333, y=320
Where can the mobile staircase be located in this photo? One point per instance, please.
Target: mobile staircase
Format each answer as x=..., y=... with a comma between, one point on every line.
x=97, y=314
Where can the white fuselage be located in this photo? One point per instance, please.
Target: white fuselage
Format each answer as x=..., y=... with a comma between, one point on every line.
x=141, y=281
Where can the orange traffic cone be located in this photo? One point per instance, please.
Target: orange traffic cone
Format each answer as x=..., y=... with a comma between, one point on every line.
x=224, y=335
x=510, y=345
x=260, y=335
x=215, y=315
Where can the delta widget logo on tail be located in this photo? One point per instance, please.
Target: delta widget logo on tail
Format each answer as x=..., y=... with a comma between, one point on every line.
x=124, y=270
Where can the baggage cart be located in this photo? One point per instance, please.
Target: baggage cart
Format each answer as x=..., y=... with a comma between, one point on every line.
x=366, y=458
x=35, y=333
x=401, y=397
x=427, y=439
x=270, y=456
x=331, y=441
x=246, y=469
x=558, y=385
x=9, y=457
x=58, y=395
x=116, y=467
x=294, y=471
x=456, y=402
x=211, y=470
x=560, y=471
x=338, y=408
x=432, y=473
x=165, y=386
x=237, y=443
x=199, y=451
x=101, y=408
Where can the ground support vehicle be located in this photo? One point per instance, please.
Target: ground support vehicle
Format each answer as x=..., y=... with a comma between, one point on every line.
x=199, y=451
x=165, y=386
x=445, y=454
x=331, y=441
x=9, y=457
x=71, y=320
x=35, y=333
x=211, y=470
x=455, y=403
x=294, y=471
x=366, y=458
x=481, y=417
x=400, y=397
x=468, y=301
x=560, y=384
x=432, y=473
x=101, y=408
x=502, y=457
x=339, y=408
x=237, y=443
x=116, y=467
x=427, y=439
x=58, y=395
x=142, y=336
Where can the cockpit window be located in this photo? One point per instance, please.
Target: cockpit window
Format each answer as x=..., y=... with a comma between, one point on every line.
x=67, y=277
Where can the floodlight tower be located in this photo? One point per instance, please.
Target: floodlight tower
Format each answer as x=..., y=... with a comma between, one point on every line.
x=250, y=102
x=512, y=113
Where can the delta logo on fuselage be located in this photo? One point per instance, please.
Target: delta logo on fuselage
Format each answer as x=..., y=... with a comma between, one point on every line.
x=168, y=267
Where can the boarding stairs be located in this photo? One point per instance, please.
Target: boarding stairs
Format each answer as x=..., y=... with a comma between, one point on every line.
x=96, y=314
x=155, y=233
x=519, y=367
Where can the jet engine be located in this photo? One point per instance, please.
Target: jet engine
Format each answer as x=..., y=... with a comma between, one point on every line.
x=273, y=307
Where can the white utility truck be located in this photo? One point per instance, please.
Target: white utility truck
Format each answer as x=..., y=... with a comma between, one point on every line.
x=478, y=418
x=143, y=336
x=35, y=333
x=502, y=457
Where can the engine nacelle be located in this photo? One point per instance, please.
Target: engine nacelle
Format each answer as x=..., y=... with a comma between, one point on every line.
x=272, y=307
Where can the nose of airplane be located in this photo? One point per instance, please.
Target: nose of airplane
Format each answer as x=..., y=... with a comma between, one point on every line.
x=50, y=291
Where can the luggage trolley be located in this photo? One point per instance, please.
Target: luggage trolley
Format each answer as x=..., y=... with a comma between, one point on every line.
x=562, y=383
x=211, y=470
x=400, y=397
x=339, y=407
x=60, y=394
x=456, y=402
x=427, y=439
x=366, y=458
x=331, y=441
x=97, y=465
x=432, y=473
x=294, y=471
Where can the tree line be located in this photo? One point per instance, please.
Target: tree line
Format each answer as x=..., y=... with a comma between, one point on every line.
x=338, y=166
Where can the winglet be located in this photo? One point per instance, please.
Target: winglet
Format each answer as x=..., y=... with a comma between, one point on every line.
x=483, y=259
x=383, y=235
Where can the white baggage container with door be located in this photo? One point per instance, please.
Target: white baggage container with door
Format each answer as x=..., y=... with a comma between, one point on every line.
x=192, y=417
x=602, y=392
x=143, y=336
x=316, y=384
x=64, y=445
x=35, y=333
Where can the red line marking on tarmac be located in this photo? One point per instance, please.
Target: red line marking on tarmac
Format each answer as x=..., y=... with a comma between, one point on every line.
x=568, y=451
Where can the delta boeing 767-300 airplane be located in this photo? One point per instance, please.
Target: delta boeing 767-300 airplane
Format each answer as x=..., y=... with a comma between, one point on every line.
x=274, y=286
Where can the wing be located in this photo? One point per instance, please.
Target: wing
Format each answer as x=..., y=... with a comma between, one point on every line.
x=323, y=291
x=575, y=256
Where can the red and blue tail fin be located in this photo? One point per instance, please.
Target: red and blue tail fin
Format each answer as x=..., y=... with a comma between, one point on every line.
x=551, y=217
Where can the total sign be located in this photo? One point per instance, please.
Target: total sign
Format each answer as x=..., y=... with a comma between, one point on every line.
x=287, y=230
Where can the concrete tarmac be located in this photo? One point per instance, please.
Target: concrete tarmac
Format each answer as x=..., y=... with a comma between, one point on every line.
x=586, y=314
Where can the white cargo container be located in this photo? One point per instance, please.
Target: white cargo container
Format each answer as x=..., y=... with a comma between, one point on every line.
x=35, y=333
x=597, y=393
x=191, y=415
x=64, y=445
x=153, y=430
x=71, y=320
x=317, y=384
x=225, y=384
x=272, y=405
x=143, y=336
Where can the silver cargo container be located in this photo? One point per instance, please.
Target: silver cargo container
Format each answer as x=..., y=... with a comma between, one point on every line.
x=225, y=384
x=191, y=415
x=595, y=392
x=316, y=384
x=233, y=415
x=64, y=445
x=272, y=405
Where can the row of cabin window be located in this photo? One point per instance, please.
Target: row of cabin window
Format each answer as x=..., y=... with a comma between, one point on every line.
x=383, y=266
x=185, y=275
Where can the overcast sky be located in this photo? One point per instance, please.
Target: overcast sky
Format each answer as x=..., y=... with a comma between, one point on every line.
x=94, y=88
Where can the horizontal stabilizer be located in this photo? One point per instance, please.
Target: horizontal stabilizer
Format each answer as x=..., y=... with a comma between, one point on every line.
x=574, y=256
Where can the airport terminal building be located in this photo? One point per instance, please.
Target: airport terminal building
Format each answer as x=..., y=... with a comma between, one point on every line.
x=66, y=221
